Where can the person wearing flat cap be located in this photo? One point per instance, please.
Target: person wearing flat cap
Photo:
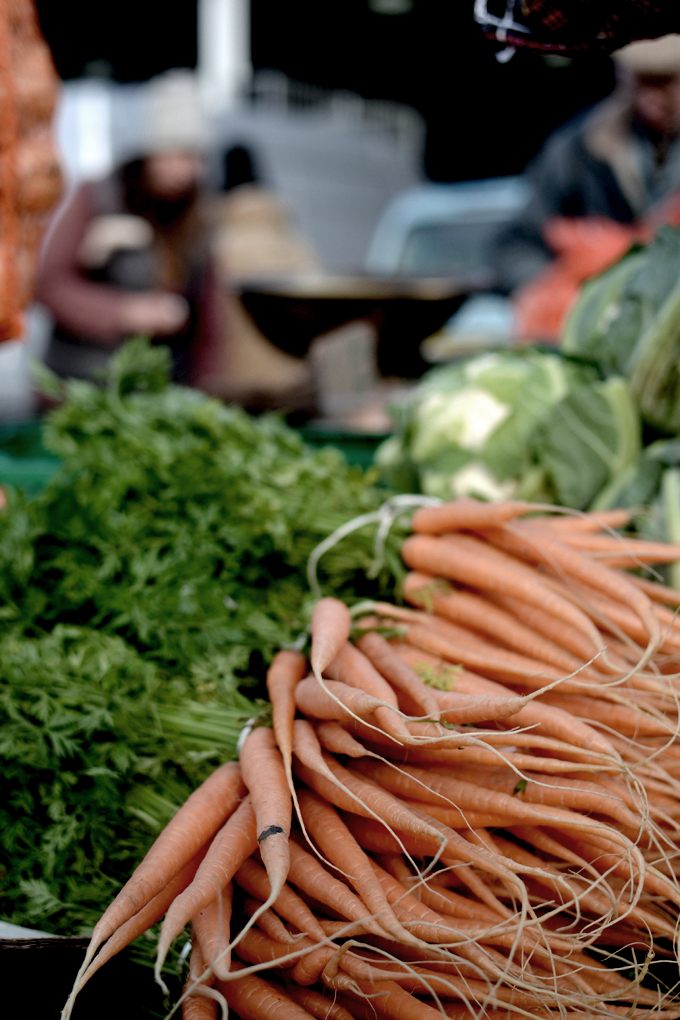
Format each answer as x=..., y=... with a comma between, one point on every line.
x=130, y=254
x=616, y=160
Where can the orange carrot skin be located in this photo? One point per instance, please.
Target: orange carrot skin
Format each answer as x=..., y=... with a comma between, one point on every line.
x=255, y=999
x=387, y=662
x=235, y=842
x=314, y=701
x=254, y=880
x=265, y=777
x=198, y=1007
x=330, y=628
x=466, y=513
x=210, y=928
x=309, y=875
x=193, y=825
x=318, y=1005
x=285, y=672
x=351, y=667
x=146, y=917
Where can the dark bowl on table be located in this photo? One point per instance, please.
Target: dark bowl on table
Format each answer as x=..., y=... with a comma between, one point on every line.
x=292, y=311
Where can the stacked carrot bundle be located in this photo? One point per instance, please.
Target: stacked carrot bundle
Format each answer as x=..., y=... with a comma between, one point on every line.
x=477, y=817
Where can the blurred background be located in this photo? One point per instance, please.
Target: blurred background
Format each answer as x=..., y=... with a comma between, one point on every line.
x=366, y=119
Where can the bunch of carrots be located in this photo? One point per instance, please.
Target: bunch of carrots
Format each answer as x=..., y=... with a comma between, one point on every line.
x=467, y=808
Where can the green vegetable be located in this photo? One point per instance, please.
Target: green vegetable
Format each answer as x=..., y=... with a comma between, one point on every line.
x=156, y=573
x=627, y=322
x=516, y=423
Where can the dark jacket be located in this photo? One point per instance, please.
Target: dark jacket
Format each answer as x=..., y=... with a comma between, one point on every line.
x=599, y=164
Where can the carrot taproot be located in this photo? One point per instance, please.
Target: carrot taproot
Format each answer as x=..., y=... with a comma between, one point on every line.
x=210, y=928
x=199, y=1002
x=334, y=738
x=255, y=881
x=351, y=667
x=441, y=900
x=380, y=654
x=618, y=718
x=465, y=513
x=348, y=791
x=196, y=821
x=268, y=922
x=313, y=879
x=336, y=841
x=287, y=669
x=145, y=918
x=330, y=627
x=264, y=775
x=318, y=1005
x=233, y=844
x=559, y=557
x=253, y=998
x=595, y=520
x=654, y=590
x=624, y=547
x=371, y=836
x=448, y=791
x=472, y=610
x=198, y=1006
x=481, y=565
x=334, y=701
x=396, y=1003
x=256, y=947
x=551, y=721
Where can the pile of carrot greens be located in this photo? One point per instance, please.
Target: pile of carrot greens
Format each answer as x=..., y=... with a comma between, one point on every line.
x=141, y=592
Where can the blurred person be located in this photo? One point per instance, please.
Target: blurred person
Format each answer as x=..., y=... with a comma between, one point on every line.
x=256, y=239
x=614, y=162
x=130, y=254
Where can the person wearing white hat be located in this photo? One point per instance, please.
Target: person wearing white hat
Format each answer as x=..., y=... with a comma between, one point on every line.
x=616, y=160
x=130, y=255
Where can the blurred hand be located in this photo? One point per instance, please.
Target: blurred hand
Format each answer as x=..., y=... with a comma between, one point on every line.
x=155, y=313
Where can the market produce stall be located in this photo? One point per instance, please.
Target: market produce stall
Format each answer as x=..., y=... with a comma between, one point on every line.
x=497, y=754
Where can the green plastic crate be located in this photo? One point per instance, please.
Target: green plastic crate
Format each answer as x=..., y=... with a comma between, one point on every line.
x=24, y=461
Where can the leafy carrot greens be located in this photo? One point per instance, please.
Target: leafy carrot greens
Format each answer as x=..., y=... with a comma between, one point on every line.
x=155, y=575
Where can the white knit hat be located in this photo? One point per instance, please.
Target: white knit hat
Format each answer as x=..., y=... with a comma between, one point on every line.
x=651, y=56
x=176, y=120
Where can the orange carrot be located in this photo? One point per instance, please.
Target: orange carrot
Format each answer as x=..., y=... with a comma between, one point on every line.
x=286, y=670
x=351, y=667
x=561, y=558
x=265, y=777
x=147, y=916
x=472, y=610
x=313, y=879
x=330, y=627
x=318, y=1005
x=596, y=520
x=210, y=928
x=552, y=721
x=658, y=592
x=200, y=1005
x=478, y=564
x=347, y=790
x=268, y=922
x=380, y=654
x=334, y=738
x=255, y=999
x=466, y=513
x=254, y=880
x=341, y=703
x=233, y=844
x=337, y=843
x=193, y=825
